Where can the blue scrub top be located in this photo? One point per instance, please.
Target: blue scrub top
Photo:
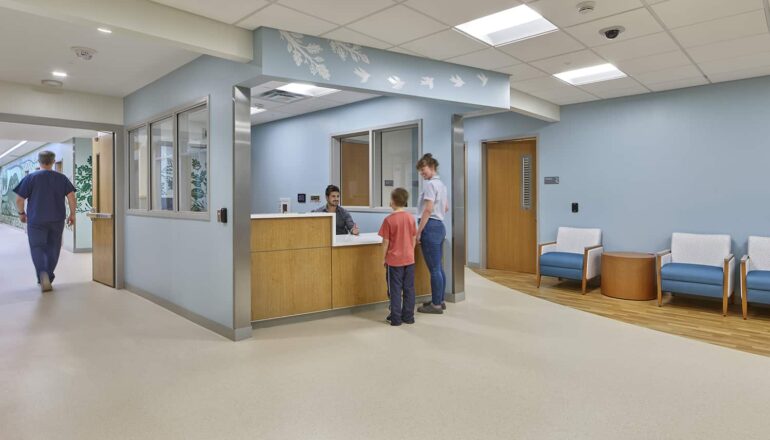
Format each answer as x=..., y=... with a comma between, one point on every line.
x=45, y=191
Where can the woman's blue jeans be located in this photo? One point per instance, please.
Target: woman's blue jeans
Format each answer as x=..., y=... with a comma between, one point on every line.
x=432, y=241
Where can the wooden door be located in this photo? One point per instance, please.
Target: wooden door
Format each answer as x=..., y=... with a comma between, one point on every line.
x=511, y=205
x=102, y=214
x=354, y=173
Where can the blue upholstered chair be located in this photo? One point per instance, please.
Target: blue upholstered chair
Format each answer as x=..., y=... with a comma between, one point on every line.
x=755, y=273
x=697, y=264
x=575, y=255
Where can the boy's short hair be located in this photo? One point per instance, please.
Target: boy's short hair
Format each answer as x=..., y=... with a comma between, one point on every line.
x=400, y=197
x=46, y=157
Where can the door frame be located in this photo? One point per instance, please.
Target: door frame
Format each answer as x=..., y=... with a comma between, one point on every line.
x=118, y=173
x=483, y=186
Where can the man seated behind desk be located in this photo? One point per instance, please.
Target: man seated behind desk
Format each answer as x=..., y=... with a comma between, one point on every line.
x=344, y=221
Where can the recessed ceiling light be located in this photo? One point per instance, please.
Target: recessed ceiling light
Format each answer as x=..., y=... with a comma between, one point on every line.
x=307, y=89
x=507, y=26
x=104, y=30
x=12, y=148
x=257, y=109
x=587, y=75
x=59, y=74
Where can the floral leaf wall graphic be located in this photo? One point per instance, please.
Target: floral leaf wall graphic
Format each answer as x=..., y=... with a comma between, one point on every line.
x=457, y=81
x=427, y=81
x=83, y=185
x=347, y=49
x=306, y=53
x=396, y=82
x=361, y=73
x=198, y=186
x=483, y=78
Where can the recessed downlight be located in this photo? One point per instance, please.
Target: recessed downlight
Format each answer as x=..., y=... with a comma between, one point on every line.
x=59, y=73
x=51, y=83
x=588, y=75
x=104, y=30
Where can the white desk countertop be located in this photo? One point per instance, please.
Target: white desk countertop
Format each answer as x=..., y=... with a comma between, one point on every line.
x=292, y=215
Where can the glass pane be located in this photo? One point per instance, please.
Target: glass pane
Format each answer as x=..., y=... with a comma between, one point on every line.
x=354, y=170
x=137, y=169
x=193, y=129
x=162, y=133
x=399, y=151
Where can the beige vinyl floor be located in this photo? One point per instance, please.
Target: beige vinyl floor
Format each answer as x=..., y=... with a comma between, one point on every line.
x=88, y=362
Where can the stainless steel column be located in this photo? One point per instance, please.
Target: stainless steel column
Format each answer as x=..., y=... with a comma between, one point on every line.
x=241, y=212
x=457, y=292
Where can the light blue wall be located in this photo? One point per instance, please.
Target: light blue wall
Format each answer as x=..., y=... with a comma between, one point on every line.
x=189, y=262
x=692, y=160
x=293, y=155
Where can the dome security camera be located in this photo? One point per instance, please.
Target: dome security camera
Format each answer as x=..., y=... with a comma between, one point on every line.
x=612, y=32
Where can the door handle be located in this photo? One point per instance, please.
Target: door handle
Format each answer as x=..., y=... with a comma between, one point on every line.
x=98, y=215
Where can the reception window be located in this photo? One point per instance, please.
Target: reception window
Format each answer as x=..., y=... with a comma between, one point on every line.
x=169, y=162
x=368, y=165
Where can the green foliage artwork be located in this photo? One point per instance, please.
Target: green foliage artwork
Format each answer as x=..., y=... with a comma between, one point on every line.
x=10, y=176
x=83, y=186
x=199, y=186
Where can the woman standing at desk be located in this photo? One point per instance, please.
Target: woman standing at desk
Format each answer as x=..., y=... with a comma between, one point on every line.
x=434, y=204
x=344, y=222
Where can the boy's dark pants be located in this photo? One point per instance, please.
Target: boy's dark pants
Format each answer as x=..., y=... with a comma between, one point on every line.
x=401, y=280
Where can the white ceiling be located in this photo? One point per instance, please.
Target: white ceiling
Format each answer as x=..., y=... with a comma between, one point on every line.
x=35, y=135
x=275, y=111
x=32, y=47
x=667, y=44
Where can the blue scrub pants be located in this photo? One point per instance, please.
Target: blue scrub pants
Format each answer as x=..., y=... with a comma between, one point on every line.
x=45, y=245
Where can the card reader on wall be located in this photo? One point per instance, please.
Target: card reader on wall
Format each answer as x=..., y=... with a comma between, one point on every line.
x=222, y=215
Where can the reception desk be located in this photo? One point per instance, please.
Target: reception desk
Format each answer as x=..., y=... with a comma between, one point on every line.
x=299, y=266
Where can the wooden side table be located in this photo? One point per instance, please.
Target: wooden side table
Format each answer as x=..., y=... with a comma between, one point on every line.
x=629, y=275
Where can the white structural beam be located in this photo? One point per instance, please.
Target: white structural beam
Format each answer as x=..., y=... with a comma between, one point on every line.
x=21, y=99
x=535, y=107
x=145, y=18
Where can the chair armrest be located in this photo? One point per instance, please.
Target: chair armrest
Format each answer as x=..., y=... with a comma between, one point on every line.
x=546, y=247
x=744, y=270
x=729, y=273
x=592, y=256
x=662, y=258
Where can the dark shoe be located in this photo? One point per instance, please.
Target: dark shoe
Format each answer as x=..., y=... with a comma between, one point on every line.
x=394, y=324
x=45, y=282
x=411, y=321
x=388, y=318
x=429, y=303
x=430, y=308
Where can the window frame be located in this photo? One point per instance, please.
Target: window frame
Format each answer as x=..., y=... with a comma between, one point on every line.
x=374, y=174
x=172, y=113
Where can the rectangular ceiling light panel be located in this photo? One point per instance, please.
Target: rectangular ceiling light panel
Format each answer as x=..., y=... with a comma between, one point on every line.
x=307, y=89
x=593, y=74
x=508, y=26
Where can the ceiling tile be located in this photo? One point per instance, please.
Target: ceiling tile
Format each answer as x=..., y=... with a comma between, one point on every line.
x=615, y=88
x=521, y=72
x=350, y=36
x=485, y=59
x=279, y=17
x=544, y=46
x=532, y=86
x=570, y=61
x=677, y=13
x=738, y=26
x=668, y=75
x=740, y=74
x=348, y=96
x=446, y=44
x=731, y=48
x=403, y=51
x=565, y=95
x=338, y=11
x=728, y=65
x=653, y=62
x=454, y=12
x=564, y=13
x=228, y=12
x=637, y=23
x=678, y=84
x=397, y=25
x=637, y=47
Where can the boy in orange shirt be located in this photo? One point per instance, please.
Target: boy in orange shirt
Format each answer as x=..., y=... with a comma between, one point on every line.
x=399, y=237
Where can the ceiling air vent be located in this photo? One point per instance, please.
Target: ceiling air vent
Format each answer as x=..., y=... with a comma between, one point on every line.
x=281, y=96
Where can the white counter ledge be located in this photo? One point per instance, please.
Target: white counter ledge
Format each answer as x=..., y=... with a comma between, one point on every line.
x=353, y=240
x=292, y=215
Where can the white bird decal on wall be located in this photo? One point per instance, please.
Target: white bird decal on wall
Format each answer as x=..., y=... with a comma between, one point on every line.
x=483, y=78
x=361, y=73
x=427, y=81
x=457, y=81
x=396, y=82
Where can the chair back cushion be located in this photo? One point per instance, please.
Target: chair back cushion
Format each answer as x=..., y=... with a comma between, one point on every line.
x=759, y=252
x=706, y=249
x=575, y=240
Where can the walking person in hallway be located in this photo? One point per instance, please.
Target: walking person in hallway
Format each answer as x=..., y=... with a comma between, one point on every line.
x=434, y=204
x=44, y=192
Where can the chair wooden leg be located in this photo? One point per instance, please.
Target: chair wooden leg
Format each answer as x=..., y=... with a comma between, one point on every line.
x=584, y=286
x=732, y=299
x=744, y=306
x=724, y=305
x=660, y=297
x=538, y=280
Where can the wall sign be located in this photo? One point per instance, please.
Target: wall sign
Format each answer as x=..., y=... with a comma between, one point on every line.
x=552, y=180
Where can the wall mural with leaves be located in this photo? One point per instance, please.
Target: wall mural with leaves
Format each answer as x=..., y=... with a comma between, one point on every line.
x=83, y=186
x=198, y=186
x=10, y=176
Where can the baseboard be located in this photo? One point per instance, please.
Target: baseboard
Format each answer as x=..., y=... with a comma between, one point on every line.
x=208, y=324
x=455, y=297
x=265, y=323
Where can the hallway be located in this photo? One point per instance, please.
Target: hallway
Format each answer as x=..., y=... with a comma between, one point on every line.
x=88, y=362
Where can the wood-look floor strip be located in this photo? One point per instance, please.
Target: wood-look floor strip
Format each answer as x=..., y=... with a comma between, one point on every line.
x=693, y=318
